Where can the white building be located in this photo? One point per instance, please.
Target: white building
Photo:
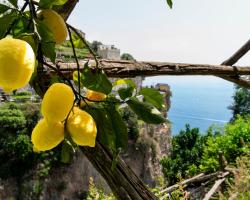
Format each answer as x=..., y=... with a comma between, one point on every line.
x=109, y=52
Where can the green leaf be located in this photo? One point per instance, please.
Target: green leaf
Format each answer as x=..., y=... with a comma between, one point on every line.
x=125, y=87
x=128, y=82
x=6, y=21
x=3, y=8
x=119, y=127
x=105, y=133
x=14, y=3
x=146, y=112
x=48, y=41
x=78, y=43
x=170, y=3
x=126, y=92
x=112, y=131
x=153, y=96
x=95, y=80
x=46, y=4
x=20, y=27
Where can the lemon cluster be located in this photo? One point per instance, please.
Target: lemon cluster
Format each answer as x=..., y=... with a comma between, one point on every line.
x=56, y=107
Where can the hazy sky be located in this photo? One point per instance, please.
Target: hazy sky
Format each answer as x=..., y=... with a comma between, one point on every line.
x=194, y=31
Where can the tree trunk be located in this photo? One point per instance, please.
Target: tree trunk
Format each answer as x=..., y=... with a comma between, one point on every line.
x=122, y=180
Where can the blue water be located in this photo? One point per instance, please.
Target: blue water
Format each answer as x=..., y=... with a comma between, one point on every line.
x=197, y=100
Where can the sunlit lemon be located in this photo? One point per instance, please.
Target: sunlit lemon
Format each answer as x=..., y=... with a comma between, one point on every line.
x=55, y=23
x=95, y=96
x=17, y=63
x=46, y=136
x=82, y=128
x=57, y=102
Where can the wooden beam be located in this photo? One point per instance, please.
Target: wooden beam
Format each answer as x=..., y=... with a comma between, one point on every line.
x=234, y=59
x=133, y=68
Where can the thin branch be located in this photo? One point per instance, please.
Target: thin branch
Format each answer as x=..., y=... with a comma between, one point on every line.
x=85, y=43
x=77, y=63
x=58, y=71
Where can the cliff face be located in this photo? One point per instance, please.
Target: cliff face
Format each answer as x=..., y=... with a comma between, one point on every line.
x=143, y=155
x=72, y=181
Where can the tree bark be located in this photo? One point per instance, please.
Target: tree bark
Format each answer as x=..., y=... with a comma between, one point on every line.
x=122, y=180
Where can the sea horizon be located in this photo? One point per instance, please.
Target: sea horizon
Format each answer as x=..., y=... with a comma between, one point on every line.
x=200, y=101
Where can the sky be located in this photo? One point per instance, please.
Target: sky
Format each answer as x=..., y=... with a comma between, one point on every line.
x=194, y=31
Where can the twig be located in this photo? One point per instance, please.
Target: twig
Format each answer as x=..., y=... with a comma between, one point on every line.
x=176, y=186
x=85, y=43
x=77, y=63
x=214, y=189
x=61, y=75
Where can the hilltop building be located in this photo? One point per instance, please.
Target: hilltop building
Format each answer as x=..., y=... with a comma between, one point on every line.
x=109, y=52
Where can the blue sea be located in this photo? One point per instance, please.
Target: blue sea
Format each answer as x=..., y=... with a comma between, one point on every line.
x=197, y=100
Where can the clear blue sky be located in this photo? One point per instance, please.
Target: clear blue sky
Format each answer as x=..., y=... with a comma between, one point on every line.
x=194, y=31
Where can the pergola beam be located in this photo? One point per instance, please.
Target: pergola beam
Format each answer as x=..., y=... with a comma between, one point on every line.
x=234, y=59
x=133, y=68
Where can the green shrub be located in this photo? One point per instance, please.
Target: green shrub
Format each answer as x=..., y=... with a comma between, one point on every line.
x=32, y=115
x=233, y=143
x=23, y=93
x=131, y=121
x=96, y=193
x=12, y=121
x=187, y=149
x=16, y=151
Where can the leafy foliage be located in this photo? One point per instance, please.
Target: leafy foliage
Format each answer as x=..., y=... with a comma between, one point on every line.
x=94, y=80
x=94, y=45
x=193, y=153
x=153, y=96
x=131, y=120
x=187, y=149
x=127, y=56
x=241, y=104
x=112, y=131
x=15, y=145
x=145, y=111
x=233, y=143
x=96, y=193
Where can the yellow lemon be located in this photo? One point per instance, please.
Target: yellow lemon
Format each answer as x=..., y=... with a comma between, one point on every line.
x=57, y=102
x=82, y=128
x=95, y=96
x=46, y=136
x=55, y=23
x=17, y=63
